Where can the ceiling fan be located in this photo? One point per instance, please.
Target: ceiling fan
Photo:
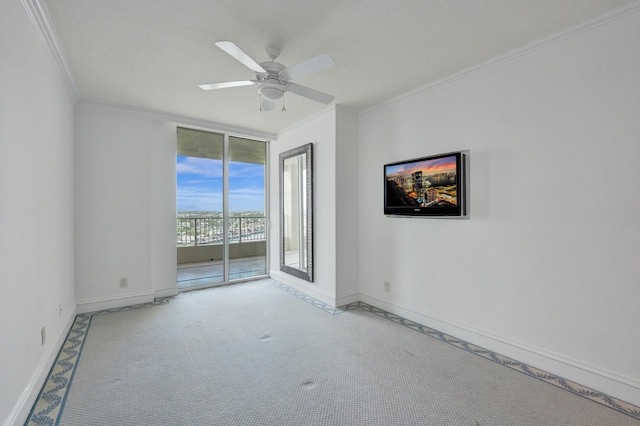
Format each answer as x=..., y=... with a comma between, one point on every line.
x=274, y=79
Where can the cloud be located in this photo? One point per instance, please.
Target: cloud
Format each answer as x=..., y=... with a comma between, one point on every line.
x=197, y=198
x=246, y=170
x=202, y=167
x=199, y=185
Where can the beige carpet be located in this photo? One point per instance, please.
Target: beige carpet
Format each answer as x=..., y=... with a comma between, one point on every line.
x=253, y=354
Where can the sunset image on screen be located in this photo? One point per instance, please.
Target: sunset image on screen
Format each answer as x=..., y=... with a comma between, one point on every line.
x=429, y=183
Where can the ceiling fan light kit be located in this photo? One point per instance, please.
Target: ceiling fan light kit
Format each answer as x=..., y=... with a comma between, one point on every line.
x=274, y=79
x=271, y=91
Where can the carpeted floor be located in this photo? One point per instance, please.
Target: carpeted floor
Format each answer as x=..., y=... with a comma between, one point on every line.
x=253, y=354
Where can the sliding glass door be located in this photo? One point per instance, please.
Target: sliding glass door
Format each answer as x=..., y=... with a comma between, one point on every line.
x=247, y=207
x=221, y=208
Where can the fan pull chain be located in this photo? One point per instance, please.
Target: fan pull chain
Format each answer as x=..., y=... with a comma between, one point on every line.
x=283, y=96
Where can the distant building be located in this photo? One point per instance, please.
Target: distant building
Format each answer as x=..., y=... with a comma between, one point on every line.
x=431, y=195
x=417, y=183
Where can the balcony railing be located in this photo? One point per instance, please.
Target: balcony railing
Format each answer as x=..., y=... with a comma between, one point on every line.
x=200, y=231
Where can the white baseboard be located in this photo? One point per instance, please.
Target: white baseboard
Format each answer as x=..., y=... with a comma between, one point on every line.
x=347, y=298
x=21, y=410
x=93, y=305
x=623, y=388
x=165, y=292
x=303, y=286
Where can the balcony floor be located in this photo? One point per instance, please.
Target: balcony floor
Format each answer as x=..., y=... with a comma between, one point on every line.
x=208, y=273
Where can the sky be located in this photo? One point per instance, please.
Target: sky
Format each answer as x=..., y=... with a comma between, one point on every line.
x=428, y=167
x=199, y=185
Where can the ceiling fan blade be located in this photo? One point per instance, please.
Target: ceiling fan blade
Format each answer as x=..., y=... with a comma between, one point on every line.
x=233, y=50
x=310, y=66
x=225, y=84
x=266, y=104
x=310, y=93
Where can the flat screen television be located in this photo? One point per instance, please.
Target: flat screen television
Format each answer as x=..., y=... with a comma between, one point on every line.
x=428, y=186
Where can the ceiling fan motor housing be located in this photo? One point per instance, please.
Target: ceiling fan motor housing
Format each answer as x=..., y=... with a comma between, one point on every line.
x=271, y=87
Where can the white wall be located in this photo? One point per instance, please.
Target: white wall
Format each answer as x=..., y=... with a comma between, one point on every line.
x=319, y=130
x=125, y=206
x=163, y=208
x=125, y=203
x=36, y=207
x=347, y=206
x=334, y=134
x=546, y=269
x=112, y=204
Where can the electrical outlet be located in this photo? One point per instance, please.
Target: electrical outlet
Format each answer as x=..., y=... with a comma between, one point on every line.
x=387, y=286
x=123, y=283
x=43, y=335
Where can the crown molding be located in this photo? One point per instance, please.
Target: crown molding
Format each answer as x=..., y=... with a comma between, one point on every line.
x=186, y=121
x=625, y=12
x=43, y=24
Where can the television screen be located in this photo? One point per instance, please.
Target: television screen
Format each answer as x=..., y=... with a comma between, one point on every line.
x=428, y=186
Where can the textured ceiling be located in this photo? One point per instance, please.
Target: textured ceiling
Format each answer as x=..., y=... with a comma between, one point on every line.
x=152, y=54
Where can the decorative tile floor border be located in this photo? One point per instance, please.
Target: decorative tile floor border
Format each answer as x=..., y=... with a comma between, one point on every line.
x=313, y=301
x=580, y=390
x=573, y=387
x=50, y=402
x=49, y=405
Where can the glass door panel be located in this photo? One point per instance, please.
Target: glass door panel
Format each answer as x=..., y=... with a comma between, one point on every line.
x=200, y=209
x=247, y=206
